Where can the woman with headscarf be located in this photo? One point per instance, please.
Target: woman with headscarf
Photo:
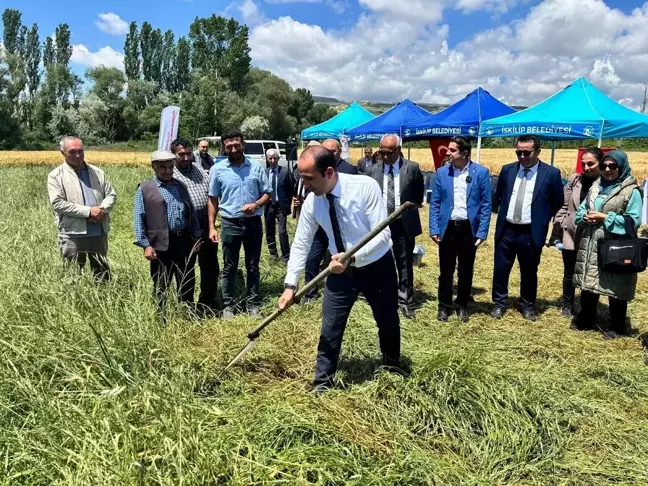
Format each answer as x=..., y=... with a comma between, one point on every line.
x=611, y=198
x=563, y=235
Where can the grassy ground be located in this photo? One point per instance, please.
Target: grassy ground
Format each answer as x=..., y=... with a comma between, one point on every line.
x=94, y=391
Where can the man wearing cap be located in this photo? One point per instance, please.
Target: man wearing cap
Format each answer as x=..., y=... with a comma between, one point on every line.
x=167, y=228
x=238, y=190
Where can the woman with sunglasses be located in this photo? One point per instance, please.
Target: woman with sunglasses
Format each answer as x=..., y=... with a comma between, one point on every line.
x=602, y=214
x=563, y=235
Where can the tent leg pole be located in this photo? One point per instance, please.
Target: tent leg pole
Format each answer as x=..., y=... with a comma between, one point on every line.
x=600, y=142
x=479, y=141
x=553, y=152
x=409, y=150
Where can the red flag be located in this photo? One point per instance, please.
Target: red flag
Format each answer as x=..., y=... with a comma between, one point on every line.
x=581, y=151
x=439, y=147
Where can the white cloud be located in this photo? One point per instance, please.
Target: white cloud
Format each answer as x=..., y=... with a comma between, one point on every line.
x=250, y=12
x=521, y=63
x=112, y=24
x=106, y=56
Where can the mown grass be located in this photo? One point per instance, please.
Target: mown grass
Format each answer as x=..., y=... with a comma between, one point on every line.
x=93, y=390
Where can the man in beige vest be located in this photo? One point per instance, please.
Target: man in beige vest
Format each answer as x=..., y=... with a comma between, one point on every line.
x=82, y=198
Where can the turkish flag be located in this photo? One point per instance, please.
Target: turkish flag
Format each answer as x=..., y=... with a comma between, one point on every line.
x=581, y=151
x=439, y=147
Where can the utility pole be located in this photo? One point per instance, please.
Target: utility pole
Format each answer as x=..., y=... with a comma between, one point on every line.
x=643, y=104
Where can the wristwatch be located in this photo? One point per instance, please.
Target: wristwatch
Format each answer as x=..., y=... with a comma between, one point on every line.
x=290, y=287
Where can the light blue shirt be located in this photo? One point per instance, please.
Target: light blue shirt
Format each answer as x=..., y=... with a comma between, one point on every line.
x=237, y=186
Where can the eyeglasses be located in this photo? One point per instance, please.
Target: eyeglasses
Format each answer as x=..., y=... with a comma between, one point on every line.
x=612, y=166
x=524, y=153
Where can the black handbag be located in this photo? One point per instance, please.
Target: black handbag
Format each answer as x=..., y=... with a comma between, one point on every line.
x=623, y=253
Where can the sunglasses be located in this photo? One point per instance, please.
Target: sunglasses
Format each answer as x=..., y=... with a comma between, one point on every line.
x=611, y=166
x=524, y=153
x=386, y=153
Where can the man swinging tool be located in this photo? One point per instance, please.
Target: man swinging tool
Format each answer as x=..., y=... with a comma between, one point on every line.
x=347, y=207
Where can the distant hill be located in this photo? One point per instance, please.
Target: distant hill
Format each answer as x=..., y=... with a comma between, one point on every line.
x=379, y=107
x=324, y=99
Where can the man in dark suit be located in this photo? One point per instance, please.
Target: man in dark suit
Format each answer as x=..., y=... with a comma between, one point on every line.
x=278, y=209
x=401, y=180
x=366, y=162
x=460, y=212
x=320, y=242
x=529, y=193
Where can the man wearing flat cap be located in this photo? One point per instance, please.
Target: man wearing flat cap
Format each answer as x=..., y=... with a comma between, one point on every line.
x=167, y=228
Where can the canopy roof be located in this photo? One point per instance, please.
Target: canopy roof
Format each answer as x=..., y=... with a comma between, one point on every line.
x=391, y=121
x=462, y=118
x=579, y=111
x=352, y=116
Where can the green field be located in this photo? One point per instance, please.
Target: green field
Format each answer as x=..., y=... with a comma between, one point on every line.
x=93, y=390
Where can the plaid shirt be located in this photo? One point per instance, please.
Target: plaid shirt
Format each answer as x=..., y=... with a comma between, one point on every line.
x=178, y=218
x=196, y=180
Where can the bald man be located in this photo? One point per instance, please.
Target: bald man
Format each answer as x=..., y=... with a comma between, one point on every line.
x=320, y=242
x=401, y=180
x=202, y=156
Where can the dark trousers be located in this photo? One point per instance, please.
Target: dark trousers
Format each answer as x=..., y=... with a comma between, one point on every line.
x=587, y=314
x=517, y=241
x=456, y=249
x=377, y=281
x=403, y=249
x=273, y=215
x=315, y=256
x=569, y=264
x=207, y=258
x=172, y=264
x=234, y=233
x=92, y=249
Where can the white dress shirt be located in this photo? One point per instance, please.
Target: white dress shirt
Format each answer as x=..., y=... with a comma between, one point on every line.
x=359, y=207
x=460, y=190
x=528, y=195
x=397, y=167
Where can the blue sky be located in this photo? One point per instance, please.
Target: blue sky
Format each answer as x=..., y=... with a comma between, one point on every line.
x=428, y=50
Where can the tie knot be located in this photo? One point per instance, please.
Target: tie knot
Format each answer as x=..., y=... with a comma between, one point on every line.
x=526, y=172
x=330, y=198
x=391, y=169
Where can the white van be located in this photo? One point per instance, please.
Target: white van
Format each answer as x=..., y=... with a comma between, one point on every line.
x=256, y=150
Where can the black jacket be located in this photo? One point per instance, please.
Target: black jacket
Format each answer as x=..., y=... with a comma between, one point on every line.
x=285, y=187
x=412, y=189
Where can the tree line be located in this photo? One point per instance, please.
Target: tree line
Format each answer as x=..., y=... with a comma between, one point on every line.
x=208, y=74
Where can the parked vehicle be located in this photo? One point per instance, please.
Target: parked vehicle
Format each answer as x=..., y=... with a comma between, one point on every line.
x=256, y=149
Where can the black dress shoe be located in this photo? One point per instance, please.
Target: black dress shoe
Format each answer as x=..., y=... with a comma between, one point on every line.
x=497, y=313
x=442, y=316
x=529, y=315
x=407, y=312
x=462, y=312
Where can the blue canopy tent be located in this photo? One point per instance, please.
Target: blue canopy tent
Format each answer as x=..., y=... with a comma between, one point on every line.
x=579, y=111
x=461, y=118
x=352, y=116
x=391, y=121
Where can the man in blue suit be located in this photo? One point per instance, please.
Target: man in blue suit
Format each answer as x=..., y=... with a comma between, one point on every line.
x=529, y=193
x=460, y=212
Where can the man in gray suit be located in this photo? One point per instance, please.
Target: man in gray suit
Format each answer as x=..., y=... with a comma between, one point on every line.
x=401, y=180
x=366, y=162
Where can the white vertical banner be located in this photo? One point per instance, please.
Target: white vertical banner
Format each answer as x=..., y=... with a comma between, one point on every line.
x=345, y=147
x=168, y=127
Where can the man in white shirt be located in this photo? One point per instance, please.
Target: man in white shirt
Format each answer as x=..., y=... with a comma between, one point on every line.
x=346, y=208
x=401, y=181
x=460, y=211
x=529, y=193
